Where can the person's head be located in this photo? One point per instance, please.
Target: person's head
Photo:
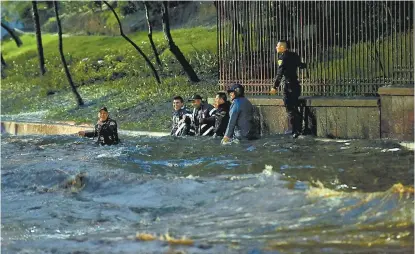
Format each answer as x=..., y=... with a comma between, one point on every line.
x=196, y=101
x=220, y=98
x=282, y=46
x=177, y=102
x=236, y=90
x=103, y=114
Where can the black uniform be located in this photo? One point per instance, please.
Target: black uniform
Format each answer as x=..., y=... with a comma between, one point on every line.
x=205, y=111
x=182, y=123
x=105, y=131
x=288, y=62
x=220, y=119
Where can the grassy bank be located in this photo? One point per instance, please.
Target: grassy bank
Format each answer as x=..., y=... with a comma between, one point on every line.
x=108, y=71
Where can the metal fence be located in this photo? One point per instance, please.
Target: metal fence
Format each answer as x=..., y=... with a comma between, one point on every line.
x=351, y=47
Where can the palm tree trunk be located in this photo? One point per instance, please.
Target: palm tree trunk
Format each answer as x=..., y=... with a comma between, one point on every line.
x=134, y=45
x=150, y=34
x=38, y=38
x=173, y=47
x=68, y=75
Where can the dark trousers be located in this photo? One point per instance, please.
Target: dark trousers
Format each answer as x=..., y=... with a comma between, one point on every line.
x=291, y=93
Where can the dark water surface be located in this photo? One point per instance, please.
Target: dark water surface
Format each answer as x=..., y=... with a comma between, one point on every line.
x=63, y=194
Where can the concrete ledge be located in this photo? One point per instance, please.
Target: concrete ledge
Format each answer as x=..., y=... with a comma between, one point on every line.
x=314, y=101
x=397, y=118
x=396, y=91
x=341, y=102
x=267, y=101
x=25, y=128
x=22, y=128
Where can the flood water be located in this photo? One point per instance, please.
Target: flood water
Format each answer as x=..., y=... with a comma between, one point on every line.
x=64, y=194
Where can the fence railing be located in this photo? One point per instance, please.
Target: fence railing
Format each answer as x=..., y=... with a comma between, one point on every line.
x=351, y=47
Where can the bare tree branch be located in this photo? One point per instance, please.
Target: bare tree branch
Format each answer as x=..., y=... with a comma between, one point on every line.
x=134, y=45
x=68, y=75
x=173, y=47
x=150, y=34
x=38, y=38
x=12, y=34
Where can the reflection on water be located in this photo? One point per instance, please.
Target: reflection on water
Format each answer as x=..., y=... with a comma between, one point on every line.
x=274, y=195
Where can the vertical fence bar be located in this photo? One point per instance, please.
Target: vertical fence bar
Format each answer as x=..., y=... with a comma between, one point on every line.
x=230, y=43
x=218, y=38
x=261, y=42
x=411, y=43
x=351, y=48
x=370, y=45
x=317, y=47
x=299, y=35
x=251, y=41
x=233, y=41
x=242, y=64
x=393, y=41
x=401, y=66
x=312, y=44
x=403, y=43
x=268, y=45
x=220, y=51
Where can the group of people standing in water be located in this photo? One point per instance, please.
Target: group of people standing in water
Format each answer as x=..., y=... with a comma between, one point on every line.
x=232, y=121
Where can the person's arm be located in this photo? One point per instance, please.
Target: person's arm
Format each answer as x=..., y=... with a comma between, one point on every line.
x=221, y=125
x=303, y=65
x=300, y=64
x=280, y=72
x=210, y=120
x=114, y=131
x=209, y=115
x=172, y=126
x=233, y=117
x=92, y=134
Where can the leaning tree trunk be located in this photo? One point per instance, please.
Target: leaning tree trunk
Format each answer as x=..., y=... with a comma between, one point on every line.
x=173, y=47
x=134, y=45
x=12, y=34
x=68, y=75
x=38, y=38
x=2, y=61
x=3, y=65
x=150, y=34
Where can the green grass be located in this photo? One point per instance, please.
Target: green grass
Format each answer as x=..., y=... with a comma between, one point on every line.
x=361, y=62
x=108, y=71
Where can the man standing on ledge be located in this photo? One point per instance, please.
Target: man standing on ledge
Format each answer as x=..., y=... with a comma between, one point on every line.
x=288, y=62
x=240, y=124
x=105, y=129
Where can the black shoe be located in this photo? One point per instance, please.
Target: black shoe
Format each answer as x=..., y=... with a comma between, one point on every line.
x=295, y=135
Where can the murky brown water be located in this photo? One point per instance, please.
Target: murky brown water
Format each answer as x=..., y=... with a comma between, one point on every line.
x=274, y=195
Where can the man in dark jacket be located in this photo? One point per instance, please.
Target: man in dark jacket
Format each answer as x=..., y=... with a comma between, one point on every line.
x=288, y=63
x=220, y=118
x=240, y=124
x=201, y=111
x=181, y=122
x=105, y=129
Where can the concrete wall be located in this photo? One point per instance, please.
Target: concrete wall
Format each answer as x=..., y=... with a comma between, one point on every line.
x=397, y=117
x=389, y=116
x=19, y=128
x=22, y=128
x=322, y=116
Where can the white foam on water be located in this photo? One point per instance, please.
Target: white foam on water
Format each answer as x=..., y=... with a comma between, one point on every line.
x=391, y=150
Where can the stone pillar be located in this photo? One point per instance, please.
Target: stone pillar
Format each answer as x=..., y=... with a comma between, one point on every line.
x=397, y=112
